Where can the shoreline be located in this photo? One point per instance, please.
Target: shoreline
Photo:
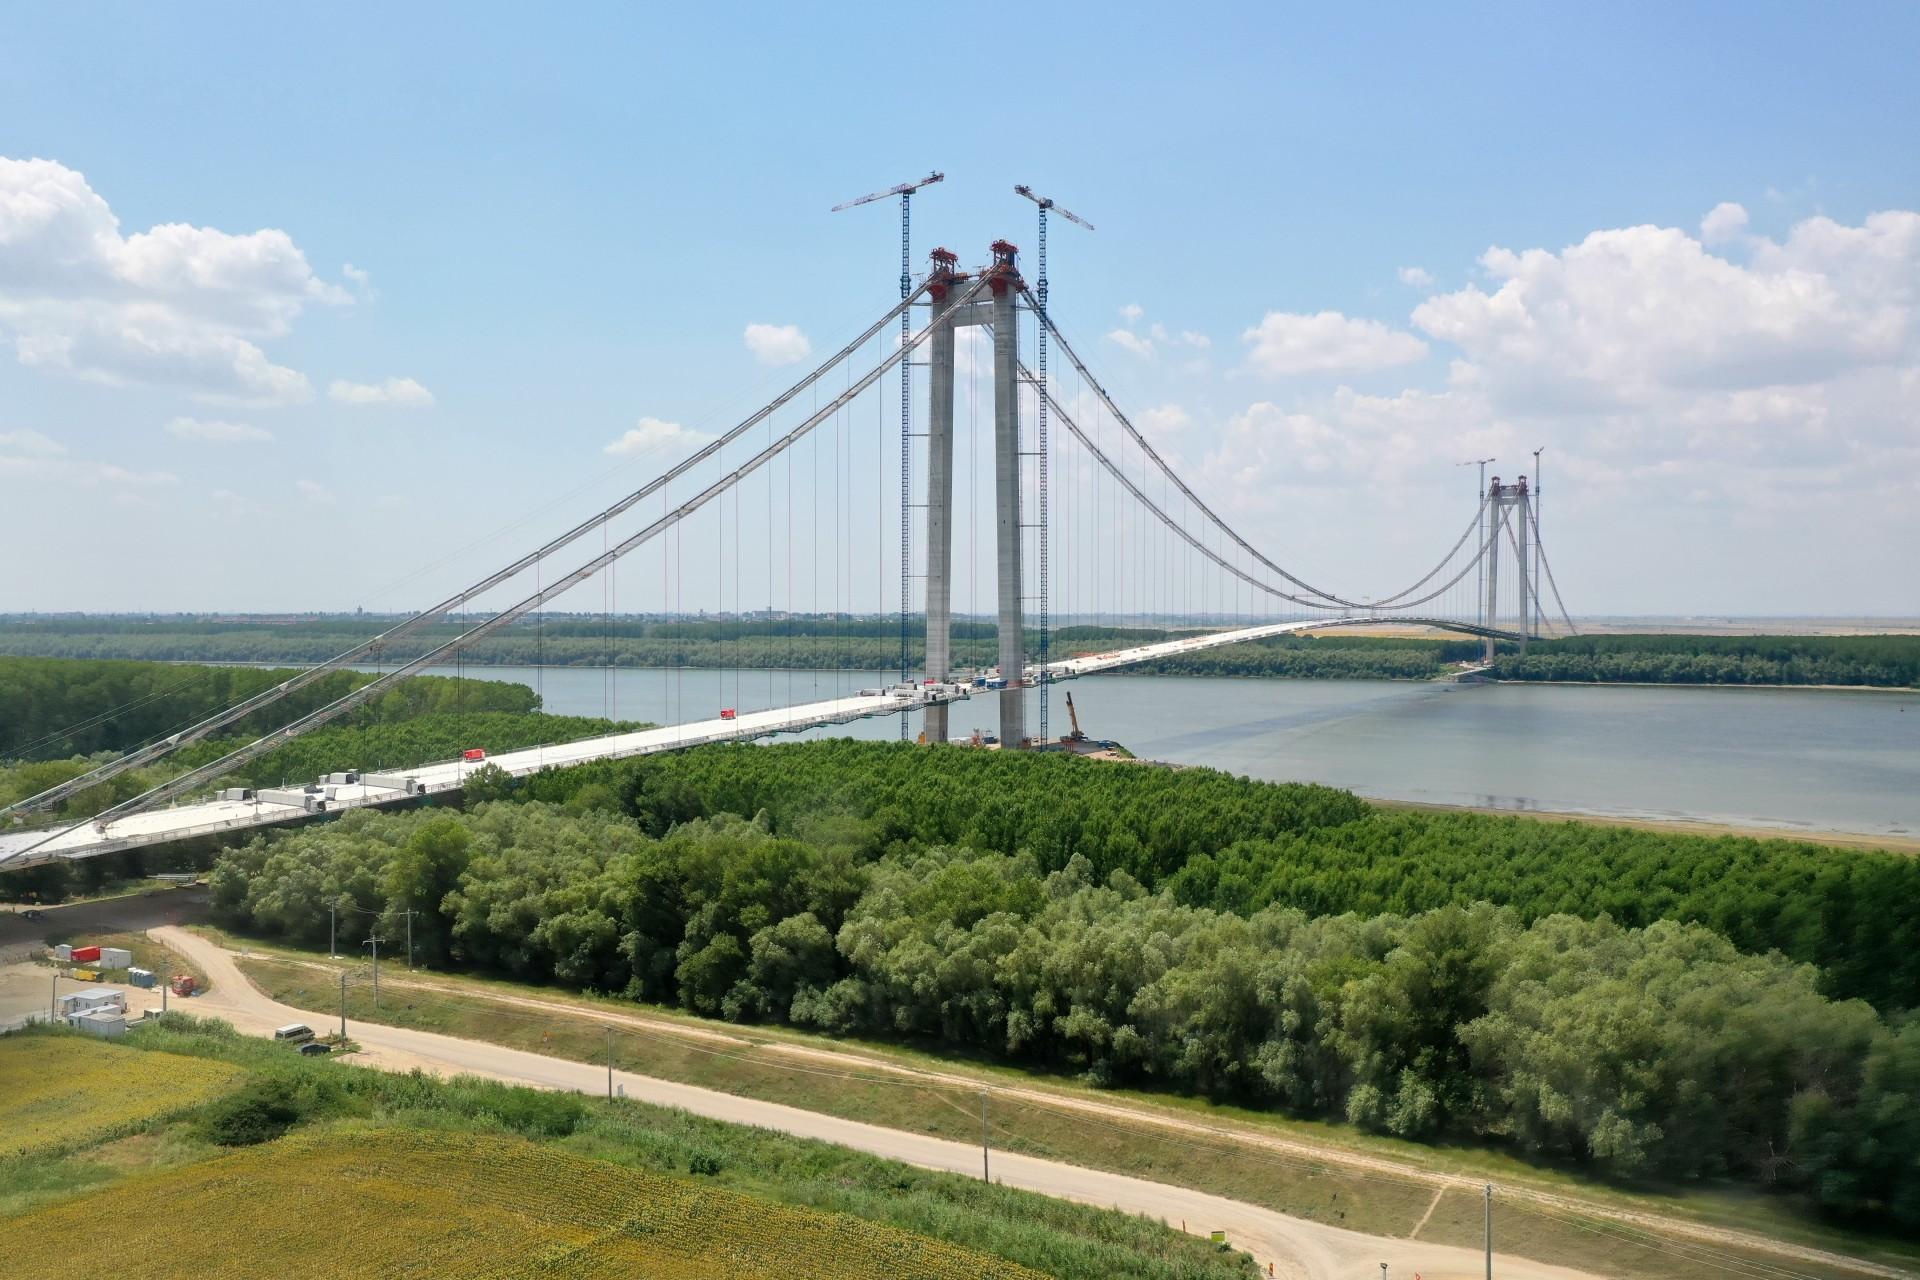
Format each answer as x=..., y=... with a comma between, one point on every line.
x=1675, y=826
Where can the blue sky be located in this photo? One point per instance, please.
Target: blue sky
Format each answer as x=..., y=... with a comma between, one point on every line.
x=561, y=224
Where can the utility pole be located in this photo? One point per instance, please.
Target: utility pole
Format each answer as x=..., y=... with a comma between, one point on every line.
x=1489, y=1231
x=609, y=1064
x=343, y=1004
x=53, y=1001
x=986, y=1170
x=333, y=908
x=409, y=939
x=375, y=944
x=905, y=191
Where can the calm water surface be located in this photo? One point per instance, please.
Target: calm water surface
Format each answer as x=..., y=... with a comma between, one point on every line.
x=1810, y=759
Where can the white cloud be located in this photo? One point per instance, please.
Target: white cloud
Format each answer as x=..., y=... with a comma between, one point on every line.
x=174, y=306
x=217, y=432
x=649, y=434
x=1628, y=318
x=30, y=443
x=777, y=344
x=313, y=491
x=394, y=391
x=1165, y=420
x=1416, y=277
x=1127, y=340
x=1132, y=312
x=1725, y=223
x=1285, y=343
x=1188, y=338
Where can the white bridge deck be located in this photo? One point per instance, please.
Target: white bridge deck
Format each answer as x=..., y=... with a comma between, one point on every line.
x=30, y=847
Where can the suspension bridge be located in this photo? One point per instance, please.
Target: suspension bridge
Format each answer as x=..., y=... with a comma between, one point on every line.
x=1089, y=525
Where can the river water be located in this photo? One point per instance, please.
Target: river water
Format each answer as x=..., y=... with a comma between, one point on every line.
x=1808, y=759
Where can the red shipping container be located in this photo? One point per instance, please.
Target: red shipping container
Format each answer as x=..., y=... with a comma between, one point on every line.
x=86, y=955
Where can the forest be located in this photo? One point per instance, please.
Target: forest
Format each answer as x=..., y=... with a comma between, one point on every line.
x=1883, y=661
x=1043, y=909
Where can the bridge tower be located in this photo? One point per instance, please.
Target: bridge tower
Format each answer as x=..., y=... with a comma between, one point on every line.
x=1005, y=286
x=941, y=283
x=1509, y=501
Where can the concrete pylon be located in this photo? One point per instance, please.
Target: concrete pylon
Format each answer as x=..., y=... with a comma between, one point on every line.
x=940, y=490
x=1005, y=287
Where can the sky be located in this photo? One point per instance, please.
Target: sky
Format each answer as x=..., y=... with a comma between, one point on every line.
x=336, y=308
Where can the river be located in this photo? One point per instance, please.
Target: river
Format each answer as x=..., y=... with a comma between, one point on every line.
x=1814, y=760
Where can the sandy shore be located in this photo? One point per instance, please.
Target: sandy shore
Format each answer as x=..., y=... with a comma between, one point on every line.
x=1679, y=826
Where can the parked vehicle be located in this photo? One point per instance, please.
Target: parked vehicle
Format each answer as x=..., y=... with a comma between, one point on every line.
x=314, y=1049
x=474, y=753
x=294, y=1032
x=728, y=713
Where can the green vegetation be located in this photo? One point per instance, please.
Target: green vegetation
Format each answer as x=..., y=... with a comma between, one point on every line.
x=819, y=640
x=114, y=706
x=373, y=1122
x=1310, y=657
x=55, y=708
x=1007, y=903
x=1881, y=661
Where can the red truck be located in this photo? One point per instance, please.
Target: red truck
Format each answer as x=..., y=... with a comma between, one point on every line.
x=474, y=753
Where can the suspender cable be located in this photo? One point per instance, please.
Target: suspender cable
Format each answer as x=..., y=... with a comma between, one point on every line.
x=154, y=750
x=194, y=778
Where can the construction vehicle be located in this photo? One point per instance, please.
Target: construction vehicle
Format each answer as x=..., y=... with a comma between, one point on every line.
x=1074, y=716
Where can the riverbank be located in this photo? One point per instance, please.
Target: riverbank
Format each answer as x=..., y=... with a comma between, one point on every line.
x=1678, y=826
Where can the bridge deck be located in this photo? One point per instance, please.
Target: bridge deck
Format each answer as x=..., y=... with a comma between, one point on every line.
x=27, y=848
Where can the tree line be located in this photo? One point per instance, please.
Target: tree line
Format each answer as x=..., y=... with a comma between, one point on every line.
x=1661, y=1051
x=52, y=707
x=1885, y=661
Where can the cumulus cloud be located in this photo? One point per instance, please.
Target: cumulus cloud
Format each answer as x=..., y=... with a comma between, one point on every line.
x=1630, y=317
x=777, y=344
x=175, y=306
x=1286, y=343
x=649, y=434
x=1416, y=277
x=32, y=455
x=1724, y=223
x=393, y=391
x=1156, y=336
x=1127, y=340
x=214, y=431
x=313, y=491
x=1132, y=312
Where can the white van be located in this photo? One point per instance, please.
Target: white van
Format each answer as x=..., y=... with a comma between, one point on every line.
x=294, y=1031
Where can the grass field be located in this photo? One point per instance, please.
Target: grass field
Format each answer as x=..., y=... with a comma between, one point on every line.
x=62, y=1092
x=380, y=1203
x=1322, y=1191
x=773, y=1173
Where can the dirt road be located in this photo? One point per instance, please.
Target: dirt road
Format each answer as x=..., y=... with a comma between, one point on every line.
x=1139, y=1114
x=1296, y=1248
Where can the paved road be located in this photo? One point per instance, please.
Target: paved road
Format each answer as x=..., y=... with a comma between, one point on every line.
x=1297, y=1249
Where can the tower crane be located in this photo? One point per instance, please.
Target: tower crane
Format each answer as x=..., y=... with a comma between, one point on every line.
x=905, y=191
x=1040, y=420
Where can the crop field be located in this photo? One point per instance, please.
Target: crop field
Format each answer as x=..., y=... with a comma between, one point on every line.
x=63, y=1091
x=378, y=1202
